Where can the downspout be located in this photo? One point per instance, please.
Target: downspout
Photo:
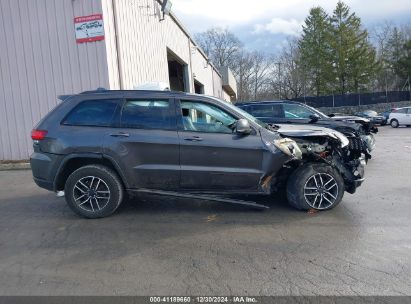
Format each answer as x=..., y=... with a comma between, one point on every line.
x=191, y=84
x=116, y=31
x=212, y=78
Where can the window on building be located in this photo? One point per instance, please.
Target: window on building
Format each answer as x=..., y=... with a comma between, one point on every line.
x=178, y=73
x=147, y=114
x=198, y=87
x=92, y=113
x=202, y=117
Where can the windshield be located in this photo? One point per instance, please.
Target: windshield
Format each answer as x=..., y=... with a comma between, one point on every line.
x=321, y=114
x=243, y=113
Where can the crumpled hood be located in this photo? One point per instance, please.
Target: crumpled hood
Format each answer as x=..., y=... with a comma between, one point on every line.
x=350, y=118
x=305, y=130
x=356, y=120
x=299, y=131
x=348, y=125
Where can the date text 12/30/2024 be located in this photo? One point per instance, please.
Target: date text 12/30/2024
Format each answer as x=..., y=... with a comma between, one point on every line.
x=205, y=299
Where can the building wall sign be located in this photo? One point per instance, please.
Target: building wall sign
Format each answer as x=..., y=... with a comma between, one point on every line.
x=89, y=28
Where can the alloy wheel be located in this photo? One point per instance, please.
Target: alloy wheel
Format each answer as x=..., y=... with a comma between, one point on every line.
x=91, y=193
x=321, y=191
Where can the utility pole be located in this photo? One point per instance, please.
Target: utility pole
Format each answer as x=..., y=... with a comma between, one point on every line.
x=279, y=79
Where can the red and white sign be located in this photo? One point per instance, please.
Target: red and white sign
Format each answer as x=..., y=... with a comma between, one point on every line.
x=89, y=28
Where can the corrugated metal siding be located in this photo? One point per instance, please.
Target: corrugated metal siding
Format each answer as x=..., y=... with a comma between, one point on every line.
x=143, y=42
x=111, y=44
x=217, y=85
x=39, y=59
x=202, y=70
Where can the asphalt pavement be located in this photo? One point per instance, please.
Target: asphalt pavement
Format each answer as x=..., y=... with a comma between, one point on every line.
x=162, y=246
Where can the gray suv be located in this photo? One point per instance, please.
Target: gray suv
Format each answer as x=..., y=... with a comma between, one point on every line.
x=100, y=146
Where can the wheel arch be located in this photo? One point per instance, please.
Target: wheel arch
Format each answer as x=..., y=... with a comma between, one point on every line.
x=76, y=160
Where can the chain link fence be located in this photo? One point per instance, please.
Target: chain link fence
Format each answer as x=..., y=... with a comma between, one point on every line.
x=355, y=99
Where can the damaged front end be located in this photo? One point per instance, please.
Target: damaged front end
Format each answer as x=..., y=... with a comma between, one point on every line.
x=317, y=144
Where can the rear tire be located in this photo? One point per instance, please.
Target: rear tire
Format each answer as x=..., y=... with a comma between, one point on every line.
x=394, y=123
x=315, y=186
x=94, y=191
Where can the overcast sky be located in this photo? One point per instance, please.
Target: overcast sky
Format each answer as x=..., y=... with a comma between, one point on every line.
x=265, y=24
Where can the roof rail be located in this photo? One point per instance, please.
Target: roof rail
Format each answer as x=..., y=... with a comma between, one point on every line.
x=98, y=90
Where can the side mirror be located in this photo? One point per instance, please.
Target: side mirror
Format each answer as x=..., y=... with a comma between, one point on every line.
x=331, y=115
x=242, y=126
x=314, y=118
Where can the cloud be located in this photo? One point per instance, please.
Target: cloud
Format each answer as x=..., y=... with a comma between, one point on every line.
x=290, y=27
x=259, y=21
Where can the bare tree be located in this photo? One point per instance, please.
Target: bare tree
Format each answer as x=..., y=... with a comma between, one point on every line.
x=293, y=75
x=260, y=72
x=220, y=45
x=243, y=71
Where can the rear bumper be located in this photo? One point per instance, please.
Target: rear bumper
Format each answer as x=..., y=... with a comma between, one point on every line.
x=44, y=168
x=44, y=183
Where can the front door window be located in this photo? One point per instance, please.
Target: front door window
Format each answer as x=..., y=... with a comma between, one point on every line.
x=202, y=117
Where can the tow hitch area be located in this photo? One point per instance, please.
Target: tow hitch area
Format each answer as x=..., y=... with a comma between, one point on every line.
x=251, y=204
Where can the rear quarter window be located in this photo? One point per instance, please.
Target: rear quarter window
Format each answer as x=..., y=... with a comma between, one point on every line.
x=147, y=114
x=92, y=113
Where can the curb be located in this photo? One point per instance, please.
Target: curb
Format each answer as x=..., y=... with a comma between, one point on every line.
x=15, y=166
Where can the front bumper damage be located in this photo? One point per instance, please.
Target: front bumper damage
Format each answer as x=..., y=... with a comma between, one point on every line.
x=345, y=154
x=369, y=142
x=352, y=172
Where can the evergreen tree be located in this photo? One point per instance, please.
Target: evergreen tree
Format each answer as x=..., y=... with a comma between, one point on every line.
x=315, y=51
x=354, y=57
x=404, y=62
x=396, y=54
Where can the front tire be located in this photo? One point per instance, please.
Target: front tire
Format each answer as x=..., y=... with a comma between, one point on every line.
x=395, y=123
x=315, y=186
x=93, y=191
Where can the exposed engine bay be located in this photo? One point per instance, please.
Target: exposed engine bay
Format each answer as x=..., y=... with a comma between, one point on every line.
x=317, y=144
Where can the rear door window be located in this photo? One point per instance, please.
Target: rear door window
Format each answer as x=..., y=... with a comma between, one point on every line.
x=401, y=111
x=147, y=114
x=92, y=113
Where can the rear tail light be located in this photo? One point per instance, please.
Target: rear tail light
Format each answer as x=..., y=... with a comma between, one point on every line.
x=38, y=134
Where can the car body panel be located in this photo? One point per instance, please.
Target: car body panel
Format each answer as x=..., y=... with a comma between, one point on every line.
x=402, y=115
x=166, y=160
x=348, y=125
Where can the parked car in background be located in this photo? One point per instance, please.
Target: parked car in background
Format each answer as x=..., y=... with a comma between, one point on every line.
x=373, y=117
x=366, y=123
x=99, y=145
x=400, y=116
x=386, y=115
x=291, y=112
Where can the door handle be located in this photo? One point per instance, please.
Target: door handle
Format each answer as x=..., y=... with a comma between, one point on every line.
x=120, y=134
x=194, y=138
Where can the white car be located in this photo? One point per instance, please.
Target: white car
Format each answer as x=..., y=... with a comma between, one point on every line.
x=400, y=116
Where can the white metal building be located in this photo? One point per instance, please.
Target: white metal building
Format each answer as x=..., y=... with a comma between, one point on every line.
x=54, y=47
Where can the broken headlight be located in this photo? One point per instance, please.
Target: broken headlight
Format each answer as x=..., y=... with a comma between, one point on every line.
x=343, y=139
x=289, y=147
